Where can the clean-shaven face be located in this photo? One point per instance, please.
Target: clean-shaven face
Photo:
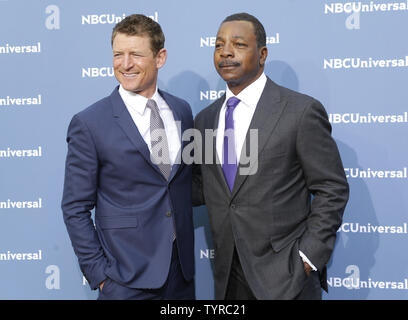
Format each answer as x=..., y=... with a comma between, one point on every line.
x=135, y=65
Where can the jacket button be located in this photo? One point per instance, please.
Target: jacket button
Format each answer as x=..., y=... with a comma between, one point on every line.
x=168, y=214
x=232, y=206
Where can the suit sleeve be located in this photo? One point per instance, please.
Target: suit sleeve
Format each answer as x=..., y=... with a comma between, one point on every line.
x=80, y=185
x=198, y=196
x=325, y=179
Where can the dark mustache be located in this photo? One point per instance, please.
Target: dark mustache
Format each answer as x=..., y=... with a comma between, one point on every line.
x=228, y=63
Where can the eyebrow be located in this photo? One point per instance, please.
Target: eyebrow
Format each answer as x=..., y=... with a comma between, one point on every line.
x=132, y=51
x=234, y=37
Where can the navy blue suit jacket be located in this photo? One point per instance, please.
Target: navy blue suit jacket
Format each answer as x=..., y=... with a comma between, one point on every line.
x=108, y=168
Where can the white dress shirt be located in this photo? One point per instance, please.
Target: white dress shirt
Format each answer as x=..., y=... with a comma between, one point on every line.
x=242, y=117
x=136, y=105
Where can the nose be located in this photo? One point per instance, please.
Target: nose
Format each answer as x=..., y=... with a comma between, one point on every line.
x=127, y=62
x=226, y=50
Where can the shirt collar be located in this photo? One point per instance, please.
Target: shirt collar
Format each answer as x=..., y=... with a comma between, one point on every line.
x=137, y=101
x=251, y=94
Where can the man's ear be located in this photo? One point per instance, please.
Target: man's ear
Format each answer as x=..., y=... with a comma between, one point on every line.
x=161, y=57
x=263, y=52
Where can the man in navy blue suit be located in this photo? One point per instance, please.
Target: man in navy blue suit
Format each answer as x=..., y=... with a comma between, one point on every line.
x=142, y=243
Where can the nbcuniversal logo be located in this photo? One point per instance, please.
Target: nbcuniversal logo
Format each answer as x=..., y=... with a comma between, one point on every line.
x=354, y=281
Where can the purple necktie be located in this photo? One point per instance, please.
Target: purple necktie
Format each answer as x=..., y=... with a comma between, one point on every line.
x=230, y=156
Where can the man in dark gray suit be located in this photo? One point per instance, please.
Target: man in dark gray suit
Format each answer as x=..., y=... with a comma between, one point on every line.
x=274, y=220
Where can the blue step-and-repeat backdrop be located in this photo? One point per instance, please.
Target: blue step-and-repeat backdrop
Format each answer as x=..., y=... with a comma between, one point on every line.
x=56, y=59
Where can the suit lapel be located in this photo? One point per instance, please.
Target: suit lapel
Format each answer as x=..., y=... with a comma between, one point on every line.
x=268, y=111
x=181, y=126
x=125, y=121
x=217, y=167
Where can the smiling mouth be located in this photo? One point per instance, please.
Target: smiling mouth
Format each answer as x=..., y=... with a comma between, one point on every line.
x=129, y=75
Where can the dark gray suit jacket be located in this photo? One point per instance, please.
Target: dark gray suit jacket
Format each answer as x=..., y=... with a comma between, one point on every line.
x=293, y=199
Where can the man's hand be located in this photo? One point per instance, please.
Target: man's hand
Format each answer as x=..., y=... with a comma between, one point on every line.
x=101, y=285
x=308, y=268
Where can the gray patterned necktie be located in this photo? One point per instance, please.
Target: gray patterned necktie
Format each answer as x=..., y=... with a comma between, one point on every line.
x=160, y=148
